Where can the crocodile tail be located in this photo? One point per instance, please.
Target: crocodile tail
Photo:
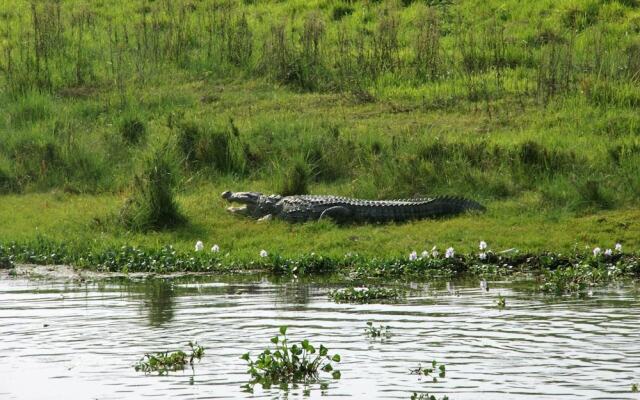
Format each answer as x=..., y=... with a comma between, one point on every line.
x=448, y=205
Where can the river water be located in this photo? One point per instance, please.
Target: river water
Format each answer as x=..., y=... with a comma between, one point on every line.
x=80, y=340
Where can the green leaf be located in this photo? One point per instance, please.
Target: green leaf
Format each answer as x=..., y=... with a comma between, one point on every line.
x=274, y=340
x=336, y=358
x=283, y=330
x=336, y=375
x=305, y=344
x=327, y=368
x=323, y=351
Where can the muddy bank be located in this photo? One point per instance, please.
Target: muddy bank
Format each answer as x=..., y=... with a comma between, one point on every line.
x=68, y=272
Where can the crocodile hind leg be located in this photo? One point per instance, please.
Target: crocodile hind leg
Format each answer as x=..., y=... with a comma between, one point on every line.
x=336, y=213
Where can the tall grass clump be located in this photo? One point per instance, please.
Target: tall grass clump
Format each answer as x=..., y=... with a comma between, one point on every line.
x=297, y=59
x=152, y=203
x=133, y=130
x=214, y=147
x=7, y=182
x=295, y=179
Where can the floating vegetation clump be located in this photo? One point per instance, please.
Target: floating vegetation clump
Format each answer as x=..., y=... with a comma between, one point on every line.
x=164, y=362
x=366, y=295
x=382, y=332
x=290, y=364
x=580, y=277
x=501, y=302
x=434, y=371
x=427, y=396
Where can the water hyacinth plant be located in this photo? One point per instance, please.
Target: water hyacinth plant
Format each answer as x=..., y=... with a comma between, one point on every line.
x=431, y=371
x=366, y=295
x=427, y=396
x=501, y=302
x=373, y=332
x=551, y=269
x=165, y=362
x=449, y=253
x=290, y=364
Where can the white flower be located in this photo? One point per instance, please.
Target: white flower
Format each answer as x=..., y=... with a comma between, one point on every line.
x=449, y=253
x=483, y=245
x=413, y=256
x=425, y=254
x=597, y=251
x=482, y=256
x=199, y=245
x=263, y=253
x=434, y=252
x=608, y=252
x=619, y=247
x=215, y=248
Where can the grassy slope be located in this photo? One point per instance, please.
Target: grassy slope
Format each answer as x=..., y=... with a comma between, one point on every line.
x=547, y=210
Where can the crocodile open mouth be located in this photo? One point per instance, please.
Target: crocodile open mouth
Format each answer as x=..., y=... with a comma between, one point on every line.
x=248, y=201
x=241, y=210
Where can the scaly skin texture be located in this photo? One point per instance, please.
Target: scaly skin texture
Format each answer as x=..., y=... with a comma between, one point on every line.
x=343, y=209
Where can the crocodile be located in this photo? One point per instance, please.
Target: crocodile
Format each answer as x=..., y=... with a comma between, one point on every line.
x=302, y=208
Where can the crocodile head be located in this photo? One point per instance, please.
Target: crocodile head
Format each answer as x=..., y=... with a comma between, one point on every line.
x=253, y=204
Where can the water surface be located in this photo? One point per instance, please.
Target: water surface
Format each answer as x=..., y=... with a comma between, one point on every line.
x=80, y=340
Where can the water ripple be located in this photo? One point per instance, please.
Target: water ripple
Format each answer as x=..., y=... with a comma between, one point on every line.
x=82, y=340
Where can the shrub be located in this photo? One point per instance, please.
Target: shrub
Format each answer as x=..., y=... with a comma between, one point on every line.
x=152, y=204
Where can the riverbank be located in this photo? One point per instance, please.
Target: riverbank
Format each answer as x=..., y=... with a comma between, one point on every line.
x=559, y=274
x=86, y=222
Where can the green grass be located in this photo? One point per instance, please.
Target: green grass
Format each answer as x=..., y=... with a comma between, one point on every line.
x=530, y=108
x=84, y=219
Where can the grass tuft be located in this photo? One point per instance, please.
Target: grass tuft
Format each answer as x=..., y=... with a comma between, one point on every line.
x=152, y=204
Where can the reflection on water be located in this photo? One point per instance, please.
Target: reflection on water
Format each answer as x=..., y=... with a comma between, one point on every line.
x=81, y=340
x=158, y=300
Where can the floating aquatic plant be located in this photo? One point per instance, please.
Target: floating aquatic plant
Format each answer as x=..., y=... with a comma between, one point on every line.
x=373, y=332
x=365, y=295
x=501, y=302
x=290, y=364
x=165, y=361
x=427, y=396
x=435, y=368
